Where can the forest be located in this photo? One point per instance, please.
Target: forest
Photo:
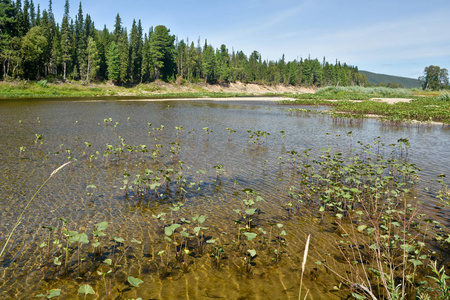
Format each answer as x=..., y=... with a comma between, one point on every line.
x=34, y=46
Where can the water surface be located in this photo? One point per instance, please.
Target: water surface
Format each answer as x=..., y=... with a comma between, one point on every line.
x=66, y=126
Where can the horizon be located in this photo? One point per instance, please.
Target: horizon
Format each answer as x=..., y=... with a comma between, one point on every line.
x=400, y=41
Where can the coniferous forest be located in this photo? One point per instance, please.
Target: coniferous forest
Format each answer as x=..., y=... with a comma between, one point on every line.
x=35, y=44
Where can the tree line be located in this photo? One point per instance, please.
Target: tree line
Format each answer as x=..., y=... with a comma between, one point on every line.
x=34, y=46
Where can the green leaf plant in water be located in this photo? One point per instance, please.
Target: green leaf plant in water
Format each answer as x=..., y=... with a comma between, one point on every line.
x=199, y=232
x=171, y=239
x=97, y=234
x=135, y=282
x=249, y=253
x=50, y=294
x=207, y=132
x=230, y=131
x=86, y=289
x=80, y=239
x=50, y=230
x=104, y=273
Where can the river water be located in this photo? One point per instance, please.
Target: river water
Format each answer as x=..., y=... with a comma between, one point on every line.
x=37, y=136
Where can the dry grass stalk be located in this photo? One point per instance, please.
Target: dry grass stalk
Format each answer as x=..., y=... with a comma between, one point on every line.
x=28, y=204
x=305, y=257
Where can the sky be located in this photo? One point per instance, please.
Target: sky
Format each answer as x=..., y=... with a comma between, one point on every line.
x=395, y=37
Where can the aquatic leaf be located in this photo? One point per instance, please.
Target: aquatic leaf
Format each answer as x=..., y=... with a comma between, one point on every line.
x=201, y=219
x=250, y=211
x=134, y=281
x=407, y=247
x=374, y=246
x=119, y=240
x=108, y=261
x=250, y=235
x=83, y=238
x=279, y=225
x=42, y=245
x=262, y=230
x=169, y=230
x=252, y=252
x=339, y=216
x=56, y=261
x=416, y=262
x=211, y=241
x=318, y=263
x=283, y=232
x=51, y=294
x=361, y=227
x=86, y=289
x=136, y=241
x=370, y=230
x=102, y=226
x=357, y=296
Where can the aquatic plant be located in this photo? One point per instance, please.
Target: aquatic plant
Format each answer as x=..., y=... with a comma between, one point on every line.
x=230, y=131
x=50, y=294
x=86, y=289
x=207, y=132
x=135, y=282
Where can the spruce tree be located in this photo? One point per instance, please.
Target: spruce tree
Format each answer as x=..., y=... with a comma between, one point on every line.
x=65, y=40
x=113, y=62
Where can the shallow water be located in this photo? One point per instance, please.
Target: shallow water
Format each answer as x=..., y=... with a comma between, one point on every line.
x=67, y=125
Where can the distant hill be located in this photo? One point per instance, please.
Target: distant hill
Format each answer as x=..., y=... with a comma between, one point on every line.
x=404, y=81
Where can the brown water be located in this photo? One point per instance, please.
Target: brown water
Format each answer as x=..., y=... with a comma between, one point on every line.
x=65, y=127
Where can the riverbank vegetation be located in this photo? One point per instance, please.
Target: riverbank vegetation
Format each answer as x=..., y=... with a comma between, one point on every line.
x=154, y=90
x=424, y=106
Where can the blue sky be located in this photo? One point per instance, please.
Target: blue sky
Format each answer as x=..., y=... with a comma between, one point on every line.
x=396, y=37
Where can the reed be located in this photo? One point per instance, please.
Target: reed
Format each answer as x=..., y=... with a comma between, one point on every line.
x=305, y=258
x=28, y=204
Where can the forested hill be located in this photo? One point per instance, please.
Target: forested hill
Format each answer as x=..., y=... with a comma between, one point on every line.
x=374, y=78
x=35, y=44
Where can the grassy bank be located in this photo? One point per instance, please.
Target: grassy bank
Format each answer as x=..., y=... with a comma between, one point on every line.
x=155, y=90
x=424, y=106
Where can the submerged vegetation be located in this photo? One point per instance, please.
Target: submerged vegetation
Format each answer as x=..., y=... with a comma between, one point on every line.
x=362, y=196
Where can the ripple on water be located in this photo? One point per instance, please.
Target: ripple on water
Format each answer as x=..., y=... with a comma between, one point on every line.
x=25, y=270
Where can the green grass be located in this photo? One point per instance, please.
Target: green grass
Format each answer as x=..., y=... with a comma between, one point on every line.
x=42, y=89
x=427, y=107
x=355, y=93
